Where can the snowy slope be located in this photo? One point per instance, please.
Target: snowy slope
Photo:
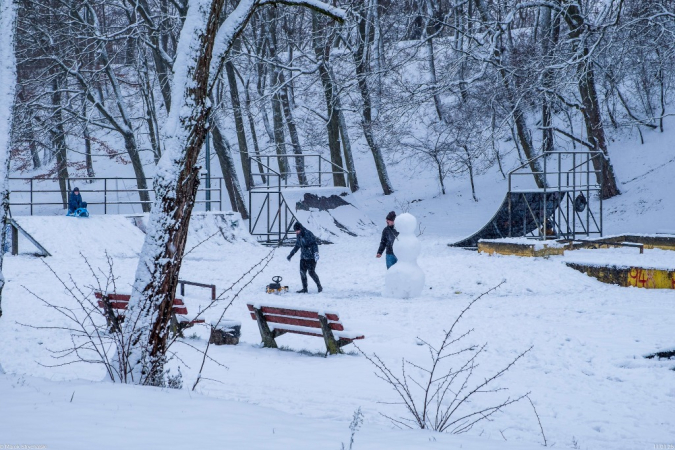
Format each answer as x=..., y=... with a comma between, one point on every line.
x=70, y=236
x=586, y=372
x=135, y=417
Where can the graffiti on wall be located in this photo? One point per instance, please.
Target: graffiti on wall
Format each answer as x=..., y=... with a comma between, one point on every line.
x=651, y=278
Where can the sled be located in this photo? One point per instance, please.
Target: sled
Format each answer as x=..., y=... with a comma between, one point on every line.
x=275, y=287
x=79, y=212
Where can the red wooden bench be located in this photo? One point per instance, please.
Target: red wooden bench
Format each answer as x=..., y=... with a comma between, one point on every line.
x=114, y=305
x=274, y=321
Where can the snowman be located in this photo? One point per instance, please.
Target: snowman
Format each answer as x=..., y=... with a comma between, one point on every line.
x=405, y=279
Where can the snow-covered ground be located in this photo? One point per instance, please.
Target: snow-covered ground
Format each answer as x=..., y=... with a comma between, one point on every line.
x=586, y=372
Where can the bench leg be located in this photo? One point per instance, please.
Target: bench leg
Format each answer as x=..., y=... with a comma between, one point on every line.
x=15, y=241
x=110, y=317
x=332, y=346
x=175, y=327
x=265, y=333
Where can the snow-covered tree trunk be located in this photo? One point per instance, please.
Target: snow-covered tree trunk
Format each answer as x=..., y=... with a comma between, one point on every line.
x=200, y=56
x=322, y=47
x=578, y=30
x=7, y=87
x=361, y=61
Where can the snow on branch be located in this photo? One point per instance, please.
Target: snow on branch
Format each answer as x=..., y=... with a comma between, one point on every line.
x=334, y=13
x=236, y=22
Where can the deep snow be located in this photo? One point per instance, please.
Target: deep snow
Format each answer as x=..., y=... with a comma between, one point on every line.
x=586, y=372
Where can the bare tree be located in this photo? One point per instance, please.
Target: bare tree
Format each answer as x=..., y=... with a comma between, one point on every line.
x=361, y=56
x=201, y=53
x=7, y=90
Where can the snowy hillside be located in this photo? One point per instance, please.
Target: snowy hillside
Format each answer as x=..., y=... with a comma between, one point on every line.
x=422, y=107
x=586, y=373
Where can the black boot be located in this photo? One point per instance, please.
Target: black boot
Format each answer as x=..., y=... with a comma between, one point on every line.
x=302, y=291
x=320, y=288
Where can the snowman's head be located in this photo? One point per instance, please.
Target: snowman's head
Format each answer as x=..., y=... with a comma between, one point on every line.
x=406, y=223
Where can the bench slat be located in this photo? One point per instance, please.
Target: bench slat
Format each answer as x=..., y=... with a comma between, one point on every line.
x=294, y=312
x=121, y=302
x=182, y=320
x=300, y=322
x=304, y=333
x=285, y=320
x=297, y=329
x=119, y=297
x=114, y=304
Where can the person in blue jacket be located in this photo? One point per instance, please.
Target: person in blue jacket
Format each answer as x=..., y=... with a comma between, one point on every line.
x=389, y=235
x=75, y=201
x=309, y=255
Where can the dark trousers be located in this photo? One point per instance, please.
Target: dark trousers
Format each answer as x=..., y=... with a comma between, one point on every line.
x=308, y=265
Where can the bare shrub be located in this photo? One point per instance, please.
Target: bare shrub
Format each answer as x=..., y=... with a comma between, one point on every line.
x=442, y=397
x=100, y=338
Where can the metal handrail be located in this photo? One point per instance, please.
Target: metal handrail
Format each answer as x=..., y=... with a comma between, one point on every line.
x=258, y=159
x=106, y=201
x=279, y=217
x=569, y=191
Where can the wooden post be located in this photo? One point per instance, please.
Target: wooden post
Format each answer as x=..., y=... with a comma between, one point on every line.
x=175, y=327
x=332, y=345
x=110, y=316
x=265, y=333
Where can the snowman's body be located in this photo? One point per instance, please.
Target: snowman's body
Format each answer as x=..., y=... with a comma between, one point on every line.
x=405, y=279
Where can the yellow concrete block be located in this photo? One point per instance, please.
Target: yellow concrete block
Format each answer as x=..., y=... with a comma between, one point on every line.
x=651, y=278
x=519, y=249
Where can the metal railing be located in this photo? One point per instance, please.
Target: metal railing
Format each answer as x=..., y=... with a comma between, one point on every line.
x=578, y=177
x=271, y=217
x=315, y=171
x=103, y=195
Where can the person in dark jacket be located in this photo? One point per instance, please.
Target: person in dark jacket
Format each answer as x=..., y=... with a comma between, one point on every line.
x=75, y=201
x=309, y=255
x=389, y=235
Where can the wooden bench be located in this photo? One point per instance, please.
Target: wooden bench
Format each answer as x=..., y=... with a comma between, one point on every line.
x=114, y=305
x=310, y=323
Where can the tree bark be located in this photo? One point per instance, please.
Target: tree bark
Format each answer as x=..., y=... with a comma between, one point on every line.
x=7, y=89
x=522, y=131
x=347, y=148
x=589, y=98
x=550, y=32
x=362, y=67
x=124, y=125
x=177, y=180
x=87, y=144
x=293, y=132
x=58, y=135
x=223, y=150
x=322, y=52
x=275, y=85
x=254, y=135
x=239, y=123
x=161, y=59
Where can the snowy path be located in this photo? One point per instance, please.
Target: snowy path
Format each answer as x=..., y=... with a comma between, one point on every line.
x=586, y=371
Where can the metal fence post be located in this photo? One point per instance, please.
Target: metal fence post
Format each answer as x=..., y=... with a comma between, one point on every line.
x=544, y=205
x=105, y=196
x=15, y=240
x=31, y=196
